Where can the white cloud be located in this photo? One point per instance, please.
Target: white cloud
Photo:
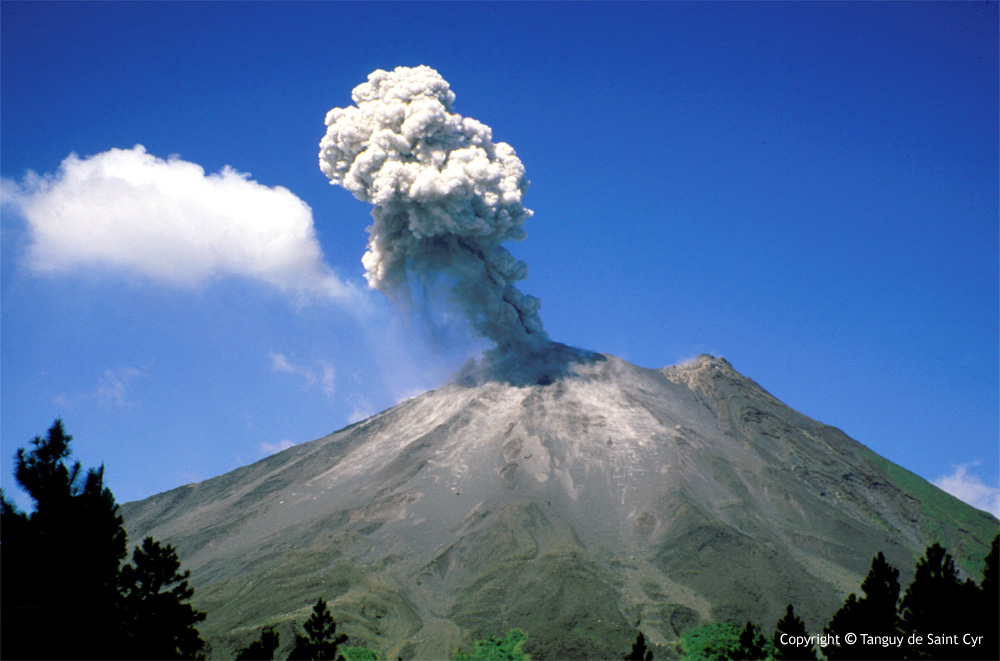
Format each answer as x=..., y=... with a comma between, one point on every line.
x=130, y=212
x=971, y=489
x=113, y=385
x=281, y=364
x=112, y=390
x=271, y=448
x=361, y=409
x=358, y=413
x=323, y=374
x=328, y=379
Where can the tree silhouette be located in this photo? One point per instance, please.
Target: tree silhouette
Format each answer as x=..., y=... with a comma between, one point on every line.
x=639, y=651
x=792, y=625
x=937, y=602
x=321, y=639
x=262, y=649
x=846, y=620
x=62, y=559
x=874, y=614
x=64, y=596
x=988, y=607
x=157, y=622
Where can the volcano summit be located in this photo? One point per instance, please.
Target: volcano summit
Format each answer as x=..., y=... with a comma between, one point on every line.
x=579, y=502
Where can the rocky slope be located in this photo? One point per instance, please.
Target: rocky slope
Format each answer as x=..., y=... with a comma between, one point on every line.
x=579, y=497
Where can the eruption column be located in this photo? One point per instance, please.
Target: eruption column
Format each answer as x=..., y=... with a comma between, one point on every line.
x=445, y=196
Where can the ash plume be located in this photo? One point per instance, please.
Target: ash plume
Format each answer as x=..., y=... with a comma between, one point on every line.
x=445, y=196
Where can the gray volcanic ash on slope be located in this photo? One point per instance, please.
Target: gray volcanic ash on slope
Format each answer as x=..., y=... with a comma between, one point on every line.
x=578, y=508
x=445, y=198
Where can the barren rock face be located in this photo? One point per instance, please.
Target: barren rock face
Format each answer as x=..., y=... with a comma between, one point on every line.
x=579, y=500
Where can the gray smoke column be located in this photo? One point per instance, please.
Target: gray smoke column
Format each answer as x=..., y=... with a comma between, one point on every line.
x=445, y=196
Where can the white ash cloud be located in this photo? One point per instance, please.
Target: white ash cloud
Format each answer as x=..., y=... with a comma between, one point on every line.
x=445, y=196
x=130, y=212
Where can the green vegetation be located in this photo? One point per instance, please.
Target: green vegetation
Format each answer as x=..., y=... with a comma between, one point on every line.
x=724, y=640
x=938, y=617
x=967, y=524
x=321, y=640
x=509, y=648
x=66, y=565
x=360, y=654
x=67, y=591
x=931, y=620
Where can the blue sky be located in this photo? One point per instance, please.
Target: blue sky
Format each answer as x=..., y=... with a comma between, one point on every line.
x=810, y=190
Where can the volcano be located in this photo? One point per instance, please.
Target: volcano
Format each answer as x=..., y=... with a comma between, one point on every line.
x=573, y=495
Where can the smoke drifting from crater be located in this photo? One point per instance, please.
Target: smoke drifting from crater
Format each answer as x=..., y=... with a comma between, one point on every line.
x=445, y=196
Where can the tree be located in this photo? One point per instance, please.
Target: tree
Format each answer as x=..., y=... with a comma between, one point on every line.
x=988, y=606
x=937, y=602
x=321, y=639
x=63, y=593
x=881, y=590
x=158, y=624
x=639, y=651
x=792, y=627
x=754, y=645
x=846, y=620
x=262, y=649
x=61, y=561
x=874, y=614
x=724, y=640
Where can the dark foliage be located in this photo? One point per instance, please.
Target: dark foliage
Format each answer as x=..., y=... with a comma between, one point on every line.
x=846, y=620
x=874, y=614
x=62, y=559
x=987, y=609
x=321, y=640
x=938, y=602
x=262, y=649
x=753, y=644
x=63, y=593
x=639, y=651
x=933, y=618
x=792, y=625
x=158, y=622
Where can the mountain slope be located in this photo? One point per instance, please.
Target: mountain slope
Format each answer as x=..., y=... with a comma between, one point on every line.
x=577, y=500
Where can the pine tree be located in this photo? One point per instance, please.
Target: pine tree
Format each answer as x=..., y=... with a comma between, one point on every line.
x=321, y=639
x=937, y=602
x=874, y=614
x=262, y=649
x=753, y=645
x=63, y=593
x=158, y=624
x=639, y=651
x=988, y=606
x=792, y=626
x=846, y=620
x=878, y=606
x=62, y=558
